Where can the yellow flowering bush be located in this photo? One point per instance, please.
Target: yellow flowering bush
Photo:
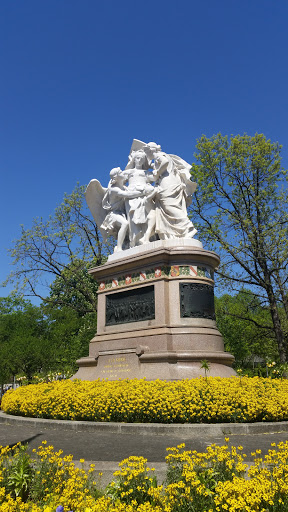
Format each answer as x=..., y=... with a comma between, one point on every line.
x=217, y=480
x=134, y=483
x=200, y=400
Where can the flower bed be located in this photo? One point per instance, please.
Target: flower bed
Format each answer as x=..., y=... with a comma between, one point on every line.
x=210, y=400
x=214, y=481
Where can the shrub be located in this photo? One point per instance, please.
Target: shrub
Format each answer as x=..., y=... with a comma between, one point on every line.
x=214, y=481
x=204, y=400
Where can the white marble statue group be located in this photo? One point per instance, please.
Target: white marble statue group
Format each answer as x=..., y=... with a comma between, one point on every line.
x=147, y=201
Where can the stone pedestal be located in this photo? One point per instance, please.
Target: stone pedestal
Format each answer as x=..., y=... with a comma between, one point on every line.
x=156, y=315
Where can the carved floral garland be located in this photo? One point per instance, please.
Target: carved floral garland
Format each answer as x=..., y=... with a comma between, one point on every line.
x=189, y=271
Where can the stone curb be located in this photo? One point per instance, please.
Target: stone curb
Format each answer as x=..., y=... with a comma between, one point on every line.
x=184, y=430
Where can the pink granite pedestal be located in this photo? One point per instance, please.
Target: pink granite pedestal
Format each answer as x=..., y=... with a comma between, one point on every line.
x=155, y=315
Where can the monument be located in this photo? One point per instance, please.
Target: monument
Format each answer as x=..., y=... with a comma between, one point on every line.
x=156, y=315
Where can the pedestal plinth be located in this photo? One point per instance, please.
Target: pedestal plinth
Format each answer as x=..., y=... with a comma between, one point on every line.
x=156, y=315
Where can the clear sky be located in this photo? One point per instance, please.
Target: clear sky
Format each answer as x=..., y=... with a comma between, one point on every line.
x=81, y=79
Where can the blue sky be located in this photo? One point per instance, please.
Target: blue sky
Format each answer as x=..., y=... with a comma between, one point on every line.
x=80, y=80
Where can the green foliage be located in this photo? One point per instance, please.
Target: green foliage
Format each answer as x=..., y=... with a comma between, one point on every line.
x=13, y=303
x=24, y=346
x=69, y=335
x=59, y=251
x=20, y=473
x=53, y=256
x=215, y=480
x=38, y=340
x=241, y=209
x=246, y=327
x=205, y=365
x=35, y=479
x=74, y=289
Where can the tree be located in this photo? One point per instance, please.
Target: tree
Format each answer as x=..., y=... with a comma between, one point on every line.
x=41, y=339
x=6, y=361
x=51, y=262
x=246, y=327
x=241, y=209
x=69, y=335
x=24, y=346
x=61, y=250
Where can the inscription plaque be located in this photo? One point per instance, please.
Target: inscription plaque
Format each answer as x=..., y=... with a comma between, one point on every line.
x=130, y=306
x=115, y=367
x=197, y=301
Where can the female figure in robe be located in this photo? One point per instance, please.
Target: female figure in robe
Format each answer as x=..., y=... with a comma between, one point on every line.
x=174, y=193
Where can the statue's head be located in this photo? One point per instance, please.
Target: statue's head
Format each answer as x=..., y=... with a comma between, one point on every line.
x=116, y=175
x=139, y=159
x=162, y=160
x=154, y=147
x=151, y=149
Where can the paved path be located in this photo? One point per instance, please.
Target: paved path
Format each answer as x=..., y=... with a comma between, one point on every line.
x=101, y=446
x=107, y=449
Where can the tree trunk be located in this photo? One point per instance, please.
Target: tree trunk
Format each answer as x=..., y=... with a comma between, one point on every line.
x=283, y=294
x=280, y=338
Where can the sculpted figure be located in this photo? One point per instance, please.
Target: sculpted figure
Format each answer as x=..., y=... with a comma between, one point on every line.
x=141, y=210
x=174, y=191
x=107, y=206
x=153, y=204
